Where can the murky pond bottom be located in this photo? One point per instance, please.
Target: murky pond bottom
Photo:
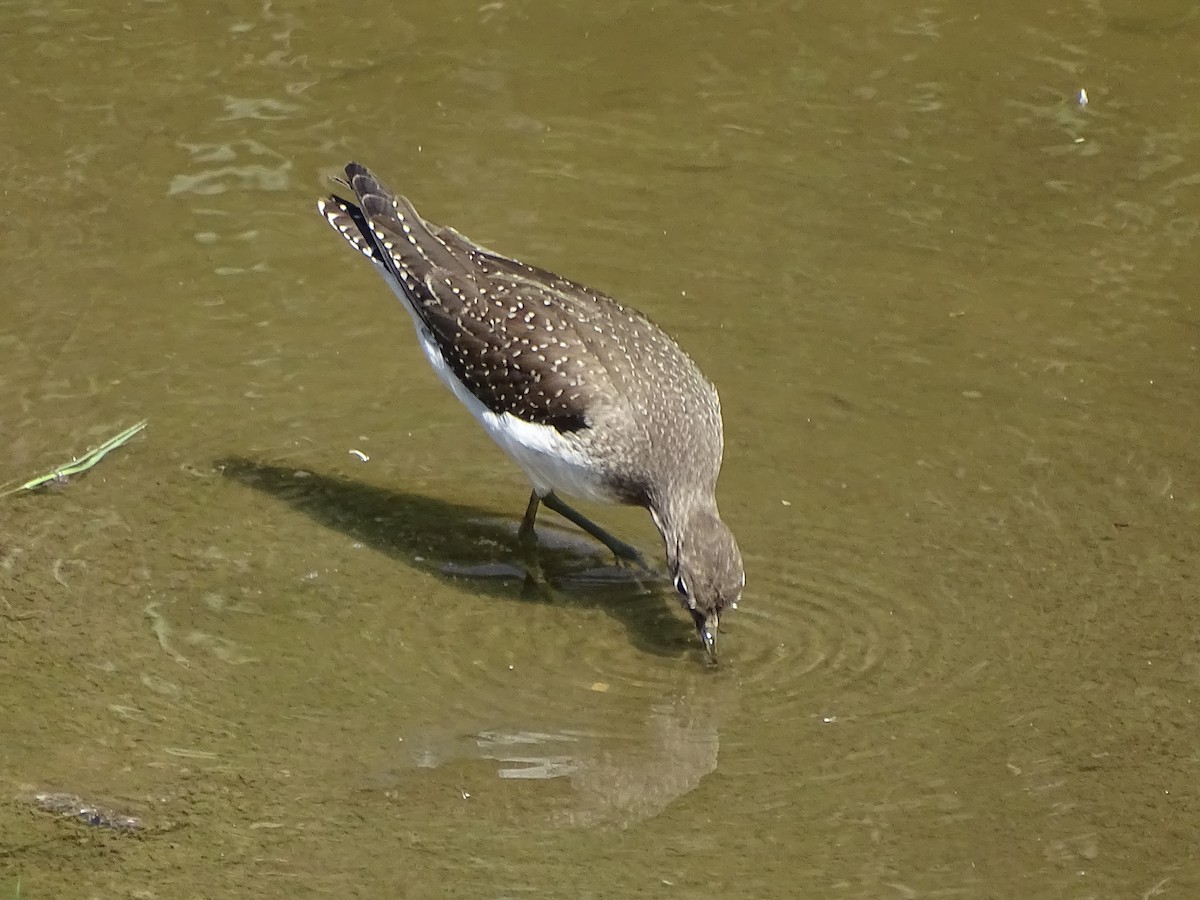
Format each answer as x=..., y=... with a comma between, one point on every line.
x=324, y=709
x=281, y=643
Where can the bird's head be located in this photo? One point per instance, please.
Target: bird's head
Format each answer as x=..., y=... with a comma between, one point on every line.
x=706, y=568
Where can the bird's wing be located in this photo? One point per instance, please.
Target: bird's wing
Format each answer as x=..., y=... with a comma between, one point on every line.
x=513, y=341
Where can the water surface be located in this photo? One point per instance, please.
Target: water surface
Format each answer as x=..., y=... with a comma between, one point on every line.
x=951, y=310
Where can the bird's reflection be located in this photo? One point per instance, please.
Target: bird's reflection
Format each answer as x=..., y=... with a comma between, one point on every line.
x=626, y=757
x=616, y=779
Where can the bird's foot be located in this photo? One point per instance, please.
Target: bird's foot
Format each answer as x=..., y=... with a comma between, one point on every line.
x=627, y=555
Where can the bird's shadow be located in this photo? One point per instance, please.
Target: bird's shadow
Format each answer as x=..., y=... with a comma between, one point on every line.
x=475, y=549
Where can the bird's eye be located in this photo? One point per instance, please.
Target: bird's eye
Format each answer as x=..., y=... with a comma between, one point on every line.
x=681, y=586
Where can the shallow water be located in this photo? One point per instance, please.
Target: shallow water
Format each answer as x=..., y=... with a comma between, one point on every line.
x=951, y=310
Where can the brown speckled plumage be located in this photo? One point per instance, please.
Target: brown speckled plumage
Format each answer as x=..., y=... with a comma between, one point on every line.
x=622, y=398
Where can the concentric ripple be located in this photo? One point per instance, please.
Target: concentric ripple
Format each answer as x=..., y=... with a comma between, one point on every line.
x=836, y=636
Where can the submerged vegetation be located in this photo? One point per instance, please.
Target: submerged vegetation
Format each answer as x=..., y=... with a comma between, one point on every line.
x=77, y=465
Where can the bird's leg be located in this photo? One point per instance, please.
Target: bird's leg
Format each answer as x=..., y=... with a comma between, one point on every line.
x=535, y=579
x=620, y=549
x=526, y=536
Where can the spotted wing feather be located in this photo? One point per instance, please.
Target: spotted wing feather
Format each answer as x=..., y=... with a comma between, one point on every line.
x=511, y=341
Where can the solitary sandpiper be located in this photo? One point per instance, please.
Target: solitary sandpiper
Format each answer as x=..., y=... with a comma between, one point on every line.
x=588, y=396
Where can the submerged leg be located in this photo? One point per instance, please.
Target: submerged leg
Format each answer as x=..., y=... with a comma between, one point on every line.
x=536, y=584
x=619, y=548
x=526, y=534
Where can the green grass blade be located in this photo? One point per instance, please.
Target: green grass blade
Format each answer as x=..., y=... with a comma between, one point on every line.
x=82, y=463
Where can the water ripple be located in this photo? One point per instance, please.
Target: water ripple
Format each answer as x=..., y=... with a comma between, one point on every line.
x=831, y=632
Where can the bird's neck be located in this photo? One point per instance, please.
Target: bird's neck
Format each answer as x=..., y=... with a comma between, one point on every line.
x=674, y=516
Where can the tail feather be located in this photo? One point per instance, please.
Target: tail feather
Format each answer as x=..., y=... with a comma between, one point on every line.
x=348, y=220
x=394, y=223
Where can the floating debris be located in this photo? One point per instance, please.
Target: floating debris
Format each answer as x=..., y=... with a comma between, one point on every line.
x=62, y=474
x=72, y=806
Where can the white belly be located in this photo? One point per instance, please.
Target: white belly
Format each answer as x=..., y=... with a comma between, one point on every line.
x=551, y=461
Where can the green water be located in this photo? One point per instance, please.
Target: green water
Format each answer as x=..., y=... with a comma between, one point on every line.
x=952, y=314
